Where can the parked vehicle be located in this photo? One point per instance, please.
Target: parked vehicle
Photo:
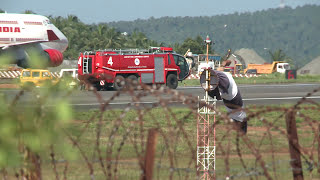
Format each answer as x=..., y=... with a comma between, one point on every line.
x=36, y=77
x=110, y=68
x=268, y=68
x=251, y=71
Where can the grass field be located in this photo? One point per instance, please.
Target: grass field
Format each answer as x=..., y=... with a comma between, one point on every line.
x=122, y=137
x=126, y=135
x=263, y=79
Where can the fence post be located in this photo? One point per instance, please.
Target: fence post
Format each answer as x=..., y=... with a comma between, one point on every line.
x=294, y=145
x=150, y=153
x=33, y=165
x=319, y=149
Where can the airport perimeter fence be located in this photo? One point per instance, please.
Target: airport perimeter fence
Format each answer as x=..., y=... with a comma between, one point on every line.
x=159, y=141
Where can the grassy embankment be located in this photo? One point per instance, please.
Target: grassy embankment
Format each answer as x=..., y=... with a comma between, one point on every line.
x=275, y=78
x=128, y=167
x=261, y=79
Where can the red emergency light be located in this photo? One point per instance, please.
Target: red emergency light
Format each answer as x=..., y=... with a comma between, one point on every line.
x=166, y=49
x=163, y=49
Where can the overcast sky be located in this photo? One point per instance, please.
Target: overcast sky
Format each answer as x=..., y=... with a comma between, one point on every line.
x=95, y=11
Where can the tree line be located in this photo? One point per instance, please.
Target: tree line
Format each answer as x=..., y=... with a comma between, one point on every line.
x=293, y=32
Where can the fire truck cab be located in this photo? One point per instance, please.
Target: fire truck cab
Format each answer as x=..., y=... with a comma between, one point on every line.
x=110, y=68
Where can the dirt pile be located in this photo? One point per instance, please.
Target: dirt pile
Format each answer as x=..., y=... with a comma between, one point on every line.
x=249, y=56
x=311, y=68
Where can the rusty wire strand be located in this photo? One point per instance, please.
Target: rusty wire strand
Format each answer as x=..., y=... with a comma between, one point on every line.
x=89, y=164
x=172, y=132
x=65, y=170
x=53, y=162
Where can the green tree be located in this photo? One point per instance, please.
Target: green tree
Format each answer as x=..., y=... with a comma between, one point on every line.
x=113, y=39
x=277, y=55
x=28, y=12
x=274, y=28
x=137, y=40
x=191, y=44
x=72, y=19
x=99, y=37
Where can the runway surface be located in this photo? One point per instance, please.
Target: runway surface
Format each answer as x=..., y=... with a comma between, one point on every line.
x=251, y=94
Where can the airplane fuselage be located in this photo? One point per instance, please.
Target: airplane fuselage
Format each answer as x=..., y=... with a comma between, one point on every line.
x=21, y=31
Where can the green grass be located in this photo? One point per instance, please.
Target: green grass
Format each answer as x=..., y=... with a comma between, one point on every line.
x=159, y=118
x=130, y=135
x=275, y=78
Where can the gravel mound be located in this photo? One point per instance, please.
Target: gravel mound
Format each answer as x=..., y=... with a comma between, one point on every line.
x=249, y=56
x=311, y=68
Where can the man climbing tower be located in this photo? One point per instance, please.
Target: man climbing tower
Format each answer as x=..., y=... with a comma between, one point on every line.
x=223, y=86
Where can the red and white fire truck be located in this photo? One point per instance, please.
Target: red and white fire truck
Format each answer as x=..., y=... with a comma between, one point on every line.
x=110, y=68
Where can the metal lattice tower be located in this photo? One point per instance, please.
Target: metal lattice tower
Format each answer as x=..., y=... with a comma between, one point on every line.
x=205, y=148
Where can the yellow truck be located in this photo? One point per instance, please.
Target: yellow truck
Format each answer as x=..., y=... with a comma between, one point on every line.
x=268, y=68
x=36, y=77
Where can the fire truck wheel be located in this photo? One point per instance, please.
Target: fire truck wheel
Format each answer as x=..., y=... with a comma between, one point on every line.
x=133, y=79
x=119, y=82
x=98, y=87
x=172, y=81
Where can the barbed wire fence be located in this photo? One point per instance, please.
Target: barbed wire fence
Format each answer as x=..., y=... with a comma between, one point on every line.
x=127, y=146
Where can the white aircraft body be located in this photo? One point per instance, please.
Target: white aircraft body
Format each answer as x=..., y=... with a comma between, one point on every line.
x=21, y=33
